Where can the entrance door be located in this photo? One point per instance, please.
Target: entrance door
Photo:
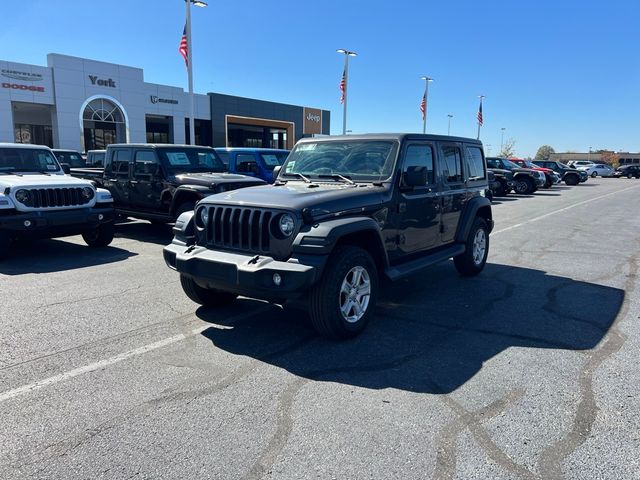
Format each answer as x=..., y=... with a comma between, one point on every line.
x=98, y=137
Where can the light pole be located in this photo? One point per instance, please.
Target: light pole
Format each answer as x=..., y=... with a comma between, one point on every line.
x=488, y=145
x=192, y=121
x=344, y=85
x=502, y=140
x=449, y=127
x=426, y=101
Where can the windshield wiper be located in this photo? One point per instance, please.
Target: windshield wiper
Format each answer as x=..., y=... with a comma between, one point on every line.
x=306, y=180
x=337, y=176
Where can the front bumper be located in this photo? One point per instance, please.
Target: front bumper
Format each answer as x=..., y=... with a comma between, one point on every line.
x=245, y=274
x=56, y=223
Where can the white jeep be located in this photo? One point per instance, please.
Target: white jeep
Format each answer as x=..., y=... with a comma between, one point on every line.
x=38, y=200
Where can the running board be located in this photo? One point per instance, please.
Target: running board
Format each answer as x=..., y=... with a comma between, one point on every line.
x=400, y=271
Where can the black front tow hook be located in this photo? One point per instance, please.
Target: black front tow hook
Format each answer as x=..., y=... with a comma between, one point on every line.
x=190, y=249
x=254, y=260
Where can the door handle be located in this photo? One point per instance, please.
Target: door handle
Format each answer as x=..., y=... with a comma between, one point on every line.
x=133, y=182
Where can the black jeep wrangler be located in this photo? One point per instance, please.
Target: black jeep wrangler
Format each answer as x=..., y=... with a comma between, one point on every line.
x=343, y=212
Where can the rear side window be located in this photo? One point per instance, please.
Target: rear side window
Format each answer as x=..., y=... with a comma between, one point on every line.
x=246, y=163
x=224, y=156
x=452, y=164
x=420, y=155
x=474, y=164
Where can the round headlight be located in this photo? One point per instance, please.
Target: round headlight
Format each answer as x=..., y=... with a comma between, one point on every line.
x=204, y=216
x=23, y=195
x=286, y=224
x=87, y=193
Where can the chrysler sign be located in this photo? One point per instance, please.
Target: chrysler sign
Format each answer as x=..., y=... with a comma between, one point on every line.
x=24, y=76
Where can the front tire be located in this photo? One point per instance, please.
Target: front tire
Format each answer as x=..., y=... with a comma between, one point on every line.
x=524, y=186
x=594, y=174
x=184, y=207
x=473, y=260
x=207, y=297
x=342, y=303
x=100, y=236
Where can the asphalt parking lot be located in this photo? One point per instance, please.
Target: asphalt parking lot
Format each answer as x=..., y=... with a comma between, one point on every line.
x=529, y=370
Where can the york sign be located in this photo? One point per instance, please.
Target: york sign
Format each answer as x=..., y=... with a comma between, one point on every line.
x=19, y=86
x=102, y=82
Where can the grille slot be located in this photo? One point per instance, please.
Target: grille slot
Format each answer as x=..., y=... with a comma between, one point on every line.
x=56, y=197
x=239, y=228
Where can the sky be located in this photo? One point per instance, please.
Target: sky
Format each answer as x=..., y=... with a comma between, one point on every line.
x=564, y=73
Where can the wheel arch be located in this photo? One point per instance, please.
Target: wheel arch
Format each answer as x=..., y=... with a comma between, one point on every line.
x=476, y=207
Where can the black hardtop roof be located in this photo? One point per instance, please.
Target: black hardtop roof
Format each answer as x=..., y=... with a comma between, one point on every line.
x=391, y=136
x=155, y=145
x=249, y=149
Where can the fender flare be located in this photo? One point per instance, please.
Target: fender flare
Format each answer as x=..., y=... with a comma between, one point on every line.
x=195, y=192
x=322, y=237
x=468, y=216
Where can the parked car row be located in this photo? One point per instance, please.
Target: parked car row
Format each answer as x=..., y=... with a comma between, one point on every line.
x=324, y=223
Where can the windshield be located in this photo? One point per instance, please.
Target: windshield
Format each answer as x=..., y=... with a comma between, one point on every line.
x=363, y=160
x=530, y=164
x=273, y=159
x=72, y=158
x=187, y=160
x=27, y=160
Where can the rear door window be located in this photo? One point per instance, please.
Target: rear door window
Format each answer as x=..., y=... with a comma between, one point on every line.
x=451, y=165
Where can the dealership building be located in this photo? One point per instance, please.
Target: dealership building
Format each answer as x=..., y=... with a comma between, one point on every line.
x=82, y=104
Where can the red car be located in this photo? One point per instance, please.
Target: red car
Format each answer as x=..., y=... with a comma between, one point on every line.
x=551, y=176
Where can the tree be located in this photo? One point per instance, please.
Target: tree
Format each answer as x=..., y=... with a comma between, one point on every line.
x=607, y=156
x=508, y=149
x=544, y=152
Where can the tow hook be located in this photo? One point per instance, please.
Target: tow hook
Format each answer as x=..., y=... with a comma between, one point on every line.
x=254, y=260
x=190, y=249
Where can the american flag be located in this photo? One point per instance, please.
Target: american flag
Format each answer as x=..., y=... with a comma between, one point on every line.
x=343, y=85
x=480, y=114
x=423, y=105
x=184, y=47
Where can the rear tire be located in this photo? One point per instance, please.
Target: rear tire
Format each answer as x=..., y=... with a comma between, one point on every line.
x=502, y=190
x=342, y=302
x=207, y=297
x=572, y=179
x=474, y=258
x=99, y=237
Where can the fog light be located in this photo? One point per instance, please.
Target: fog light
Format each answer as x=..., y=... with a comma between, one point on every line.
x=27, y=223
x=100, y=216
x=277, y=279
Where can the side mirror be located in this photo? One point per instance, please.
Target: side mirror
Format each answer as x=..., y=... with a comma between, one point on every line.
x=276, y=171
x=66, y=168
x=415, y=176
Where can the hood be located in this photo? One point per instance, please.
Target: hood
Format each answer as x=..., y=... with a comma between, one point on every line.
x=212, y=179
x=39, y=180
x=499, y=171
x=319, y=198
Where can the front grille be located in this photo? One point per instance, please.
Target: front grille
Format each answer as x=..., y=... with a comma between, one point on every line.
x=56, y=197
x=237, y=228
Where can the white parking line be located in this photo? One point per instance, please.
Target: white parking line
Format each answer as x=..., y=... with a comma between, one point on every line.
x=535, y=219
x=16, y=392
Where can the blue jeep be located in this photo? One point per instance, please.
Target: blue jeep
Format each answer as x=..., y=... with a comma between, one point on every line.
x=256, y=162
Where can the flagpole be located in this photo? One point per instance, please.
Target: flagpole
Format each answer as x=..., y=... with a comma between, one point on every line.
x=426, y=101
x=192, y=126
x=347, y=54
x=479, y=124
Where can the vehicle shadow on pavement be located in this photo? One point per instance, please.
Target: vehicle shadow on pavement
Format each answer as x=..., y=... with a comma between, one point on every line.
x=56, y=255
x=143, y=231
x=432, y=332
